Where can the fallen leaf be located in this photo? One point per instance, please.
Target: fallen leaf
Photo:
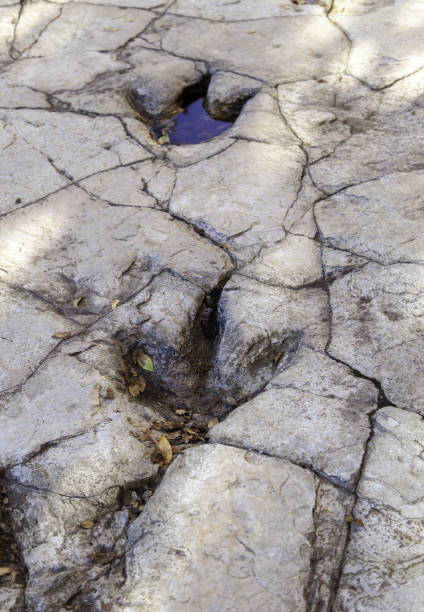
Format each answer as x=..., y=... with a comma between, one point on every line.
x=129, y=19
x=163, y=140
x=143, y=361
x=103, y=557
x=109, y=393
x=137, y=387
x=195, y=434
x=212, y=423
x=115, y=304
x=5, y=570
x=62, y=335
x=78, y=301
x=111, y=29
x=165, y=449
x=277, y=358
x=166, y=425
x=351, y=519
x=87, y=524
x=252, y=32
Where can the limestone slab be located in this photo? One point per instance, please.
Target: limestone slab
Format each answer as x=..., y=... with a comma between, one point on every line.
x=27, y=328
x=268, y=54
x=258, y=323
x=376, y=327
x=63, y=399
x=385, y=37
x=314, y=412
x=201, y=534
x=381, y=219
x=52, y=248
x=240, y=195
x=384, y=565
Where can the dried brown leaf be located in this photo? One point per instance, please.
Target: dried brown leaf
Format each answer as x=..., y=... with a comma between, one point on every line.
x=4, y=571
x=166, y=425
x=87, y=524
x=78, y=301
x=212, y=423
x=277, y=358
x=115, y=303
x=351, y=519
x=165, y=449
x=103, y=557
x=110, y=394
x=137, y=387
x=62, y=334
x=195, y=434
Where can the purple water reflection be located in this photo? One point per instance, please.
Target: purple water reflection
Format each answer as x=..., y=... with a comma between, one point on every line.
x=194, y=125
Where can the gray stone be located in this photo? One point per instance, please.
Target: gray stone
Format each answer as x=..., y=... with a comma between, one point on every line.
x=269, y=53
x=384, y=566
x=254, y=267
x=23, y=316
x=260, y=322
x=158, y=81
x=9, y=15
x=201, y=534
x=314, y=412
x=380, y=220
x=375, y=322
x=227, y=92
x=76, y=453
x=385, y=37
x=51, y=248
x=63, y=399
x=250, y=186
x=233, y=11
x=293, y=262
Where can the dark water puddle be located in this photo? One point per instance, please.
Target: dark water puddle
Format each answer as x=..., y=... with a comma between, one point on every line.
x=191, y=126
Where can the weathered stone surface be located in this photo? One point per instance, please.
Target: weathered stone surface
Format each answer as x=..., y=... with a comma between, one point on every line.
x=261, y=121
x=363, y=156
x=269, y=53
x=384, y=566
x=63, y=399
x=381, y=220
x=233, y=11
x=376, y=314
x=88, y=28
x=51, y=248
x=158, y=82
x=227, y=92
x=314, y=412
x=163, y=318
x=293, y=262
x=12, y=598
x=79, y=452
x=313, y=197
x=245, y=206
x=385, y=37
x=260, y=322
x=144, y=184
x=23, y=316
x=8, y=16
x=201, y=534
x=35, y=18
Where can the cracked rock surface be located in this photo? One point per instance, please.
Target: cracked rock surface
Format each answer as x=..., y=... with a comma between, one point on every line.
x=273, y=274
